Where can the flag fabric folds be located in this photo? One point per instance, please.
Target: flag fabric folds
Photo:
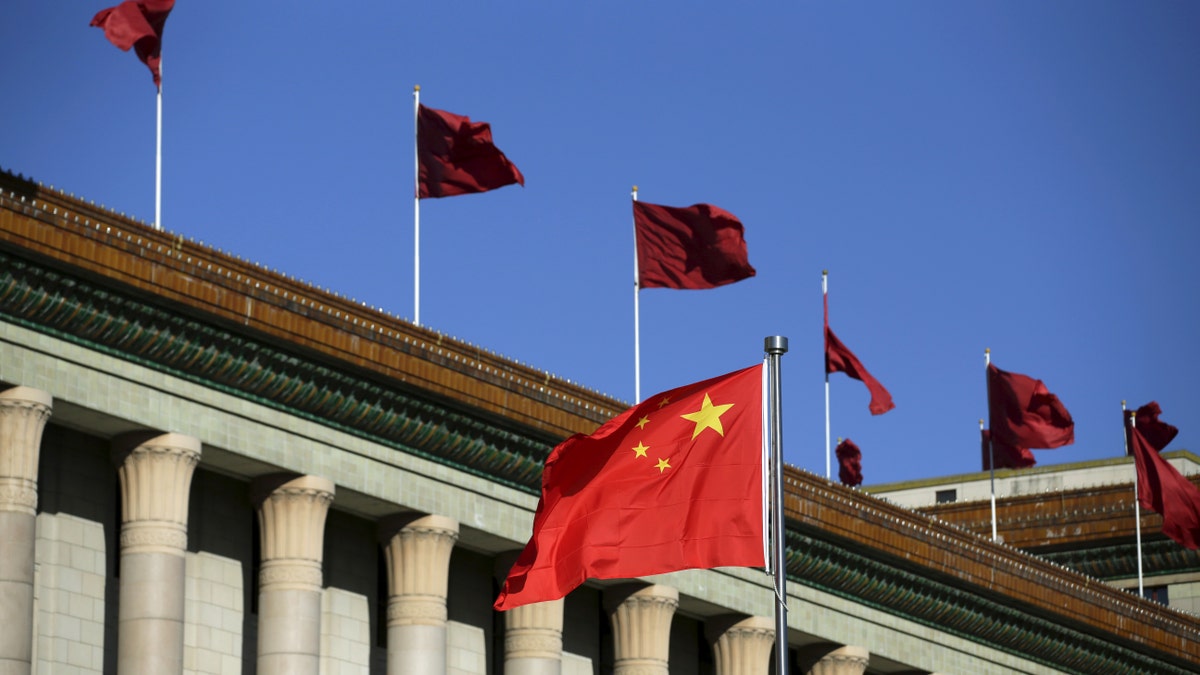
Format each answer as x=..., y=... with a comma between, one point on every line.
x=1165, y=491
x=689, y=247
x=1007, y=456
x=1023, y=413
x=849, y=463
x=672, y=483
x=839, y=359
x=137, y=24
x=457, y=156
x=1156, y=432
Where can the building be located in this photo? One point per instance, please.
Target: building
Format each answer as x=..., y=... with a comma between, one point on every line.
x=208, y=467
x=1080, y=515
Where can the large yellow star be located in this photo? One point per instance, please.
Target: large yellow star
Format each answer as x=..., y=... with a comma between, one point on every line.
x=663, y=464
x=708, y=417
x=640, y=449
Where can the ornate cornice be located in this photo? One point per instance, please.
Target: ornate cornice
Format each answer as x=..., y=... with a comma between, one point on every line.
x=103, y=319
x=836, y=568
x=1120, y=561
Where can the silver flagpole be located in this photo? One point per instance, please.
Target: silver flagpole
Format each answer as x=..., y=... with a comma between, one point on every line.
x=416, y=206
x=987, y=357
x=637, y=339
x=775, y=347
x=158, y=156
x=1137, y=505
x=825, y=297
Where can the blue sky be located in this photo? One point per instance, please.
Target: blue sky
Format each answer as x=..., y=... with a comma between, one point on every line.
x=1023, y=176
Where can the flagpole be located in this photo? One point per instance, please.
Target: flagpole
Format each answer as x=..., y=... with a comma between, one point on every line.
x=987, y=358
x=775, y=347
x=637, y=340
x=1137, y=505
x=158, y=156
x=416, y=206
x=825, y=297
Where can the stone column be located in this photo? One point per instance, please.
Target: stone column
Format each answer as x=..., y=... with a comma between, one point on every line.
x=741, y=645
x=641, y=623
x=155, y=471
x=291, y=518
x=831, y=659
x=533, y=634
x=23, y=415
x=417, y=551
x=533, y=639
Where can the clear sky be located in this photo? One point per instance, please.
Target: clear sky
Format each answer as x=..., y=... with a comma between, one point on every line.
x=1017, y=175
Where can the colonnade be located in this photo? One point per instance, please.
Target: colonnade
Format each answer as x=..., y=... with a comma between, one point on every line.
x=155, y=472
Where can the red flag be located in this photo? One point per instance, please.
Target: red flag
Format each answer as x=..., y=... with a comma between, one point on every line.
x=692, y=247
x=1162, y=489
x=457, y=156
x=849, y=463
x=1007, y=456
x=138, y=24
x=672, y=483
x=1156, y=432
x=1024, y=413
x=839, y=359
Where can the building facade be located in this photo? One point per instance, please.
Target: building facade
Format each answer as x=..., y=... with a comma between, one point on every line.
x=208, y=467
x=1083, y=516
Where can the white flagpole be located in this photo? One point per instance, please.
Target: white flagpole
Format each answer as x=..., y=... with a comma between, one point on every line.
x=987, y=358
x=825, y=298
x=775, y=347
x=637, y=340
x=1137, y=505
x=416, y=207
x=158, y=156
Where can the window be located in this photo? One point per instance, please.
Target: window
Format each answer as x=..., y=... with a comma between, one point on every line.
x=947, y=496
x=1157, y=594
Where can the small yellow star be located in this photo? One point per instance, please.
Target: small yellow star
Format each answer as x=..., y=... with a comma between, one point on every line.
x=666, y=400
x=708, y=417
x=663, y=464
x=641, y=424
x=639, y=450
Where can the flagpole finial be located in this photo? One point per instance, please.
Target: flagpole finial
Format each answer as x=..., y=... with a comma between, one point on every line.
x=775, y=344
x=635, y=188
x=1122, y=404
x=825, y=273
x=987, y=350
x=416, y=87
x=980, y=422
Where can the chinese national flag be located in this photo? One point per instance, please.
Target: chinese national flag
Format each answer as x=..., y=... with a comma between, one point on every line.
x=1024, y=413
x=839, y=359
x=1165, y=491
x=1007, y=456
x=138, y=24
x=672, y=483
x=690, y=247
x=457, y=156
x=849, y=463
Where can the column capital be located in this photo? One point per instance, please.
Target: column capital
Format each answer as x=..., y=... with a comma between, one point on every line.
x=23, y=415
x=534, y=631
x=641, y=621
x=834, y=659
x=291, y=516
x=417, y=550
x=741, y=645
x=155, y=470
